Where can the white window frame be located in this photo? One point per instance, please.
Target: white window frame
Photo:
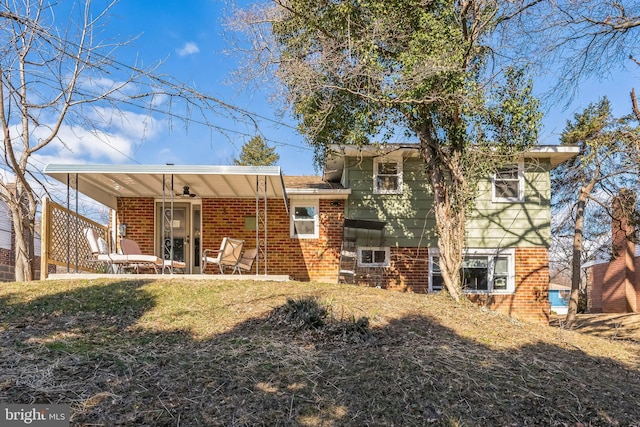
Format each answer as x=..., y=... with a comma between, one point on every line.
x=491, y=254
x=387, y=256
x=316, y=218
x=520, y=197
x=387, y=159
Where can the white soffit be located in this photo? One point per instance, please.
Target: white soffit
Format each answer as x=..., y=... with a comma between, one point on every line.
x=106, y=183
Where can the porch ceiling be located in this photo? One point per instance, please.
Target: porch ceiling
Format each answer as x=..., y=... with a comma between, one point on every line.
x=105, y=183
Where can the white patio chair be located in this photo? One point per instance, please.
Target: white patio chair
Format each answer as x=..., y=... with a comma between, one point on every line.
x=139, y=261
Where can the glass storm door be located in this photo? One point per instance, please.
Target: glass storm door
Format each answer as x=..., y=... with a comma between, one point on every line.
x=174, y=232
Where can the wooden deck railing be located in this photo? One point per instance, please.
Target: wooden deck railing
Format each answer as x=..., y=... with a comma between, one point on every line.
x=63, y=241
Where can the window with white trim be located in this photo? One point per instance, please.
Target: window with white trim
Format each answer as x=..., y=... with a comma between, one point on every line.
x=508, y=183
x=482, y=271
x=304, y=219
x=374, y=257
x=387, y=175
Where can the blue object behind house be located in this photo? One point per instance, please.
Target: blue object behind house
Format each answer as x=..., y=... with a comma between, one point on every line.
x=559, y=298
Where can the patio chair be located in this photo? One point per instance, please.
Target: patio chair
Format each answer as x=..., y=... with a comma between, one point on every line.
x=227, y=256
x=100, y=251
x=139, y=261
x=245, y=263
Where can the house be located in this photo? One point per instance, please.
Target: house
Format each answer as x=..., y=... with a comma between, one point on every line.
x=367, y=220
x=613, y=283
x=505, y=263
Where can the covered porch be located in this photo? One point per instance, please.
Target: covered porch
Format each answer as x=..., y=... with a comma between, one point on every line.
x=172, y=212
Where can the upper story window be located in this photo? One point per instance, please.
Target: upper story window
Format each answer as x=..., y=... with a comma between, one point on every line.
x=482, y=271
x=508, y=183
x=387, y=175
x=305, y=219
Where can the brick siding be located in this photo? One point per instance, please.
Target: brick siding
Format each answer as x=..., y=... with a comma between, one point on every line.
x=615, y=286
x=530, y=301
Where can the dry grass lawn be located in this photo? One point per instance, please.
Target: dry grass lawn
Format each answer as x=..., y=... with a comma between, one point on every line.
x=181, y=353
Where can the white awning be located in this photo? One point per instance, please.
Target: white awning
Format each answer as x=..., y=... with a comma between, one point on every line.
x=106, y=183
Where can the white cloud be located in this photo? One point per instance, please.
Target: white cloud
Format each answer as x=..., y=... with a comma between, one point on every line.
x=114, y=137
x=189, y=48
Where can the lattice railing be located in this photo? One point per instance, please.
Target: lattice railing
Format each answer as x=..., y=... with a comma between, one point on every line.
x=63, y=240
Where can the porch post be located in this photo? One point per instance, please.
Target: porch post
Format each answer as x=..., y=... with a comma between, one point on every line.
x=77, y=225
x=68, y=223
x=45, y=240
x=261, y=222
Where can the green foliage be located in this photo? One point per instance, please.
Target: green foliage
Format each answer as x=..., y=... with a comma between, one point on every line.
x=361, y=70
x=256, y=152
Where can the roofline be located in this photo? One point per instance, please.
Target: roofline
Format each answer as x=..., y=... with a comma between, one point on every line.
x=372, y=150
x=324, y=193
x=556, y=154
x=134, y=169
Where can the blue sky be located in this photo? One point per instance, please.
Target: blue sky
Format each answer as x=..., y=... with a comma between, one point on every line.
x=189, y=37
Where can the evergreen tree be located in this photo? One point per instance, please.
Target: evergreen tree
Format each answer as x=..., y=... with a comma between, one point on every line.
x=256, y=152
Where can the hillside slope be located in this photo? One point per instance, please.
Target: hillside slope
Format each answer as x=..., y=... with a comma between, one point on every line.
x=242, y=353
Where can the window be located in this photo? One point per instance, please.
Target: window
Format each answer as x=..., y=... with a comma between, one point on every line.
x=508, y=184
x=373, y=257
x=304, y=220
x=387, y=176
x=482, y=271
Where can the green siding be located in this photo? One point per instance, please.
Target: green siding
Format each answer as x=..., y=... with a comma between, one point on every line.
x=410, y=220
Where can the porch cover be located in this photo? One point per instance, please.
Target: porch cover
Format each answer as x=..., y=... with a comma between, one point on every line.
x=107, y=183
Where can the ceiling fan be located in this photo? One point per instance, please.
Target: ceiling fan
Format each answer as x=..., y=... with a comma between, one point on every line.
x=186, y=192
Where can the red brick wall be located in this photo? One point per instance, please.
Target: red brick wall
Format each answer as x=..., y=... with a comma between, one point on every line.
x=408, y=272
x=137, y=214
x=7, y=266
x=594, y=288
x=615, y=286
x=7, y=263
x=300, y=259
x=530, y=301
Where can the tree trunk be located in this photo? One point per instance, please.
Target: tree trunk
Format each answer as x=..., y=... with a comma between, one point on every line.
x=576, y=262
x=449, y=215
x=22, y=261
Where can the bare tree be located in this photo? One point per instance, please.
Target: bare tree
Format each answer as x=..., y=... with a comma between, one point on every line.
x=576, y=40
x=604, y=164
x=55, y=72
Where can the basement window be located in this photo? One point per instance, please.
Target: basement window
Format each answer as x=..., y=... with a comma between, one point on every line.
x=373, y=257
x=482, y=271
